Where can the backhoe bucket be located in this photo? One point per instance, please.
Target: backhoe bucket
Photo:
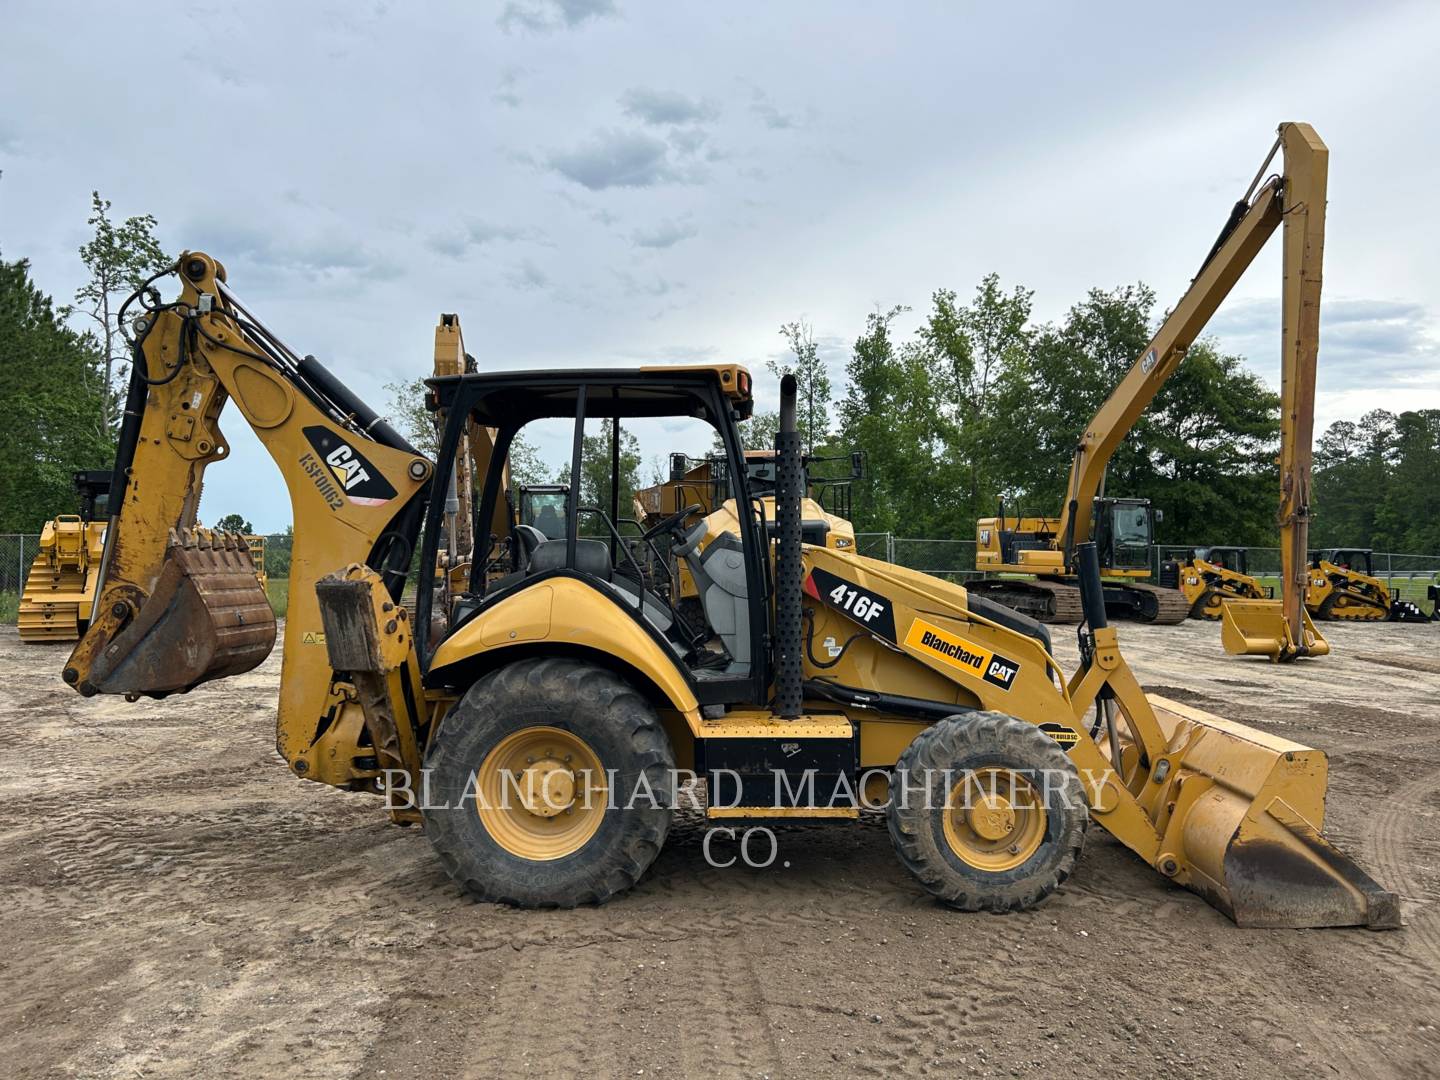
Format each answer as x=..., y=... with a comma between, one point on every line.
x=1258, y=628
x=1242, y=828
x=207, y=617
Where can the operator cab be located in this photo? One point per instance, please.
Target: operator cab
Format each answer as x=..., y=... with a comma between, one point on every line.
x=586, y=530
x=1124, y=533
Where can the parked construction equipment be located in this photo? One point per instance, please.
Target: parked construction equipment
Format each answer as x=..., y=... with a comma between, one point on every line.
x=1122, y=528
x=60, y=588
x=1209, y=576
x=1342, y=586
x=569, y=685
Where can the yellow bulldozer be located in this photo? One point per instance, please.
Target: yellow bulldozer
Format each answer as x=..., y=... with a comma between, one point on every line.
x=60, y=588
x=1209, y=576
x=538, y=723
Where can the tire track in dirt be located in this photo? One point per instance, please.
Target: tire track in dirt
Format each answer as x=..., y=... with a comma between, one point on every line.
x=1391, y=843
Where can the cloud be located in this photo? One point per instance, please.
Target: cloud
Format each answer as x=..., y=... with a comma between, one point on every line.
x=527, y=277
x=547, y=16
x=328, y=254
x=1364, y=343
x=770, y=114
x=662, y=107
x=656, y=286
x=610, y=159
x=474, y=233
x=663, y=234
x=505, y=90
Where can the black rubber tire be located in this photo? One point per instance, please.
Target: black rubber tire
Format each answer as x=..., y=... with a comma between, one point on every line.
x=977, y=741
x=622, y=729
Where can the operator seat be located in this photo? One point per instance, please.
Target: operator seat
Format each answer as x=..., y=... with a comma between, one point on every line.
x=719, y=573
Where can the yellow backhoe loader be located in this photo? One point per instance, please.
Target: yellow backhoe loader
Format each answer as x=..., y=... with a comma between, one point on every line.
x=1342, y=586
x=1121, y=528
x=540, y=717
x=1209, y=576
x=60, y=588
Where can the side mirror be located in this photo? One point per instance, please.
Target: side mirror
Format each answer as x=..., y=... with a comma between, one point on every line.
x=857, y=464
x=1159, y=516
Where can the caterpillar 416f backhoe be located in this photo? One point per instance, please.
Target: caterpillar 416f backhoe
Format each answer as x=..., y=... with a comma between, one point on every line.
x=1048, y=547
x=543, y=713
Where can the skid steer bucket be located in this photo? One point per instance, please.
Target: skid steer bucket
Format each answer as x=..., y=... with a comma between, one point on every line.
x=206, y=618
x=1258, y=628
x=1242, y=828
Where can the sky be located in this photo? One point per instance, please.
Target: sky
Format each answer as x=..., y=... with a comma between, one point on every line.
x=593, y=182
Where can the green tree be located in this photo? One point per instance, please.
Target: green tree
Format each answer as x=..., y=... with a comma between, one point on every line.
x=1409, y=514
x=812, y=406
x=406, y=410
x=595, y=466
x=50, y=397
x=119, y=259
x=235, y=523
x=1352, y=466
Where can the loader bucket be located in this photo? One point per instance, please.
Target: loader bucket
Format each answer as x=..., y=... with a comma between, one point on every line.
x=206, y=618
x=1244, y=831
x=1258, y=628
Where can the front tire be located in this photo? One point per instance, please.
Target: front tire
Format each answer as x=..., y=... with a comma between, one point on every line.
x=551, y=785
x=994, y=814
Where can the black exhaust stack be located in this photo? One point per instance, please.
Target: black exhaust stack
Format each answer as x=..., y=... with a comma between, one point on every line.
x=789, y=490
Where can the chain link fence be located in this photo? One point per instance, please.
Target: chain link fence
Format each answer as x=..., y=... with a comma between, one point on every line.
x=17, y=552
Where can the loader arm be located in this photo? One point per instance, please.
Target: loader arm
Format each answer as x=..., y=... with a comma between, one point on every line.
x=174, y=609
x=1296, y=198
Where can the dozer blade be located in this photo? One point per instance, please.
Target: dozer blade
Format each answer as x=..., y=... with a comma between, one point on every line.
x=1258, y=628
x=206, y=618
x=1244, y=831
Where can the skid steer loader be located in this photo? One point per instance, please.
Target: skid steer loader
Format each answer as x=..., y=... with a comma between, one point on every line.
x=542, y=717
x=1209, y=576
x=1342, y=587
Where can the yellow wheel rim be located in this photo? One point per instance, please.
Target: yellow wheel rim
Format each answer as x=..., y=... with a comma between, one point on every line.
x=994, y=819
x=541, y=793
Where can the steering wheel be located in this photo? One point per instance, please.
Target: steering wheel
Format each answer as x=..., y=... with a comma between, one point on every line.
x=671, y=522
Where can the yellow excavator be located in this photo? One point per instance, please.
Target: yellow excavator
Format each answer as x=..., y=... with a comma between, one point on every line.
x=1123, y=528
x=60, y=588
x=1210, y=576
x=537, y=723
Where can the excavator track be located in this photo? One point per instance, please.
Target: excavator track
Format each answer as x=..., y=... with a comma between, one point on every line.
x=1164, y=607
x=1043, y=599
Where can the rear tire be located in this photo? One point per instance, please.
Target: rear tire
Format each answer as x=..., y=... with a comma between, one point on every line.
x=552, y=713
x=1037, y=839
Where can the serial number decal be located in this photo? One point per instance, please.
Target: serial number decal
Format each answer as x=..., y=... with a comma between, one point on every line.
x=351, y=473
x=973, y=659
x=869, y=609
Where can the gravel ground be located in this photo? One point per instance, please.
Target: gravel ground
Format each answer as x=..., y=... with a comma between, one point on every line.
x=174, y=903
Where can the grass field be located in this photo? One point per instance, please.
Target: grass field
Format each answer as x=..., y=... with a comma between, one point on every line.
x=277, y=591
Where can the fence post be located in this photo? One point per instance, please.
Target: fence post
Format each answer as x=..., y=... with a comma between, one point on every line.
x=1390, y=571
x=21, y=586
x=890, y=548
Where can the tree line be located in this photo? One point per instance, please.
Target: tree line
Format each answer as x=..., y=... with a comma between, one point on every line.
x=982, y=405
x=979, y=404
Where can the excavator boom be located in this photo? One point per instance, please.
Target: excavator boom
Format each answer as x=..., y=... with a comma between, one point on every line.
x=179, y=606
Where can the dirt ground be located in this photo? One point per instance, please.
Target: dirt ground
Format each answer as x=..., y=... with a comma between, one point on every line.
x=174, y=903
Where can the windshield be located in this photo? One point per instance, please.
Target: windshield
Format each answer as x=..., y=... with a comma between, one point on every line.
x=546, y=511
x=1132, y=526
